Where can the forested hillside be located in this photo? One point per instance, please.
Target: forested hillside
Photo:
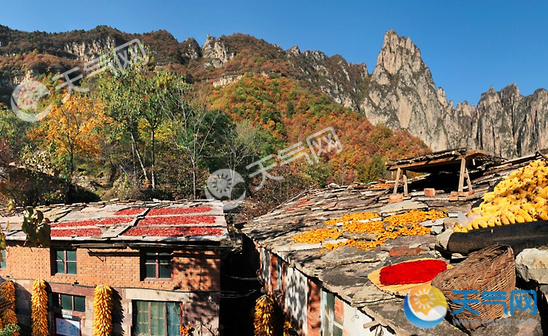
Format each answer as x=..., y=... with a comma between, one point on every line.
x=163, y=126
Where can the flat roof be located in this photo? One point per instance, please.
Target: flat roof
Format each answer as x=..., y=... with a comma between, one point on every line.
x=161, y=221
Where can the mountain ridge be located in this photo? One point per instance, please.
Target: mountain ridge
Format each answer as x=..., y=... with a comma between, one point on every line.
x=400, y=91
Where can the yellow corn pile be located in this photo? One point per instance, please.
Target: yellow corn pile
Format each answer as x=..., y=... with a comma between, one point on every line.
x=268, y=319
x=7, y=291
x=102, y=311
x=406, y=224
x=353, y=217
x=39, y=306
x=521, y=197
x=287, y=328
x=414, y=217
x=317, y=236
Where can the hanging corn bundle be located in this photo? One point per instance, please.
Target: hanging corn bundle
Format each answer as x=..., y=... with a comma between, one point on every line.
x=7, y=291
x=102, y=311
x=287, y=328
x=39, y=301
x=268, y=319
x=186, y=330
x=9, y=317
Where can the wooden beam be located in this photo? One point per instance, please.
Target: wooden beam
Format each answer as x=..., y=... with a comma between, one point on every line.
x=411, y=166
x=405, y=190
x=468, y=182
x=398, y=172
x=461, y=174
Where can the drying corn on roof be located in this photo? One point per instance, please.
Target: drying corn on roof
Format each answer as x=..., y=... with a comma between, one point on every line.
x=339, y=235
x=520, y=197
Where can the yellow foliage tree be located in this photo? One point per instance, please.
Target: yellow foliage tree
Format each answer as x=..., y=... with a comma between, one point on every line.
x=71, y=129
x=39, y=307
x=102, y=311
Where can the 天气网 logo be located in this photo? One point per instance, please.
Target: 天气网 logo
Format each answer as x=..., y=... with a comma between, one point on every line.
x=425, y=306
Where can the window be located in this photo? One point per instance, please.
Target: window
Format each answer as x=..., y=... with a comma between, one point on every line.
x=157, y=265
x=3, y=262
x=156, y=318
x=72, y=302
x=65, y=261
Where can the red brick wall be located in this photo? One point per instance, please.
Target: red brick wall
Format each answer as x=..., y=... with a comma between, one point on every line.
x=273, y=272
x=313, y=309
x=192, y=270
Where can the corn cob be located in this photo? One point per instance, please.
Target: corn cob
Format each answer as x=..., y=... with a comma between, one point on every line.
x=39, y=306
x=7, y=291
x=268, y=319
x=521, y=197
x=102, y=311
x=9, y=317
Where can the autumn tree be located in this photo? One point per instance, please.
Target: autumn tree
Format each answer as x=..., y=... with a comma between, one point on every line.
x=133, y=96
x=71, y=129
x=198, y=132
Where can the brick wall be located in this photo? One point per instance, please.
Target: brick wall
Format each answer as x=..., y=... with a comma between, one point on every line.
x=314, y=309
x=192, y=270
x=195, y=281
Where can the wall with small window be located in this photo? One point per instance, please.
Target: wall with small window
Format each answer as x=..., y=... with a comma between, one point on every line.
x=313, y=310
x=338, y=318
x=191, y=278
x=157, y=313
x=187, y=270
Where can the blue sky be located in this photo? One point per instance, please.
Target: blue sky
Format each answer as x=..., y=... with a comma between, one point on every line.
x=468, y=45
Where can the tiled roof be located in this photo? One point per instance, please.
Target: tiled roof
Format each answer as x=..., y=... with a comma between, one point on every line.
x=134, y=221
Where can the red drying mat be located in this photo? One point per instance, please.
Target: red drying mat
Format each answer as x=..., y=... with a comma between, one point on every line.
x=411, y=272
x=400, y=290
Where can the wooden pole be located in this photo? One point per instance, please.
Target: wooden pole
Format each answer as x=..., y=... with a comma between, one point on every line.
x=398, y=172
x=468, y=182
x=405, y=190
x=461, y=175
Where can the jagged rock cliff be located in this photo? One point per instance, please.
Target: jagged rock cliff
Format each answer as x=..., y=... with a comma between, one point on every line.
x=399, y=93
x=402, y=94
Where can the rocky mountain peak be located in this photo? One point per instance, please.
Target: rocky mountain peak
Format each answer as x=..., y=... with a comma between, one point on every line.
x=397, y=53
x=190, y=49
x=294, y=51
x=216, y=52
x=400, y=93
x=510, y=90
